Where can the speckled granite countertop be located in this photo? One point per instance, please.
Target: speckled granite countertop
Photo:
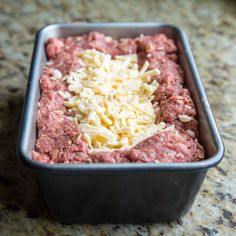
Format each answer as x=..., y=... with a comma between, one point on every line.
x=211, y=27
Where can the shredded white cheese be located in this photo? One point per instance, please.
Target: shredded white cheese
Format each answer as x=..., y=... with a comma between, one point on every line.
x=112, y=100
x=57, y=74
x=184, y=118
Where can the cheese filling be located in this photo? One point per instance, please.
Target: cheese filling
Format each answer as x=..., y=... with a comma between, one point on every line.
x=112, y=100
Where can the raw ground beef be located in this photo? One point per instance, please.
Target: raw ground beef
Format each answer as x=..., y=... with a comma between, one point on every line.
x=59, y=138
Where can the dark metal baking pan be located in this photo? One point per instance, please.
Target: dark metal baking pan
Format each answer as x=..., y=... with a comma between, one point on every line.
x=131, y=192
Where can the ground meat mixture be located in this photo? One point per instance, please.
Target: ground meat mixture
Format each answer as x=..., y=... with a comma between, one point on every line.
x=59, y=138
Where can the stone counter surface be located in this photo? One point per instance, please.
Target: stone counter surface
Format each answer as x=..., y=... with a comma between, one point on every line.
x=211, y=27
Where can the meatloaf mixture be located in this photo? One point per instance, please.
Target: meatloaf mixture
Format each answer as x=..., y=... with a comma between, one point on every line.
x=115, y=100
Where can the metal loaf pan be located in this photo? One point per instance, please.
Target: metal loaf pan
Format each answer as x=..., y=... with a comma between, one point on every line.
x=131, y=192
